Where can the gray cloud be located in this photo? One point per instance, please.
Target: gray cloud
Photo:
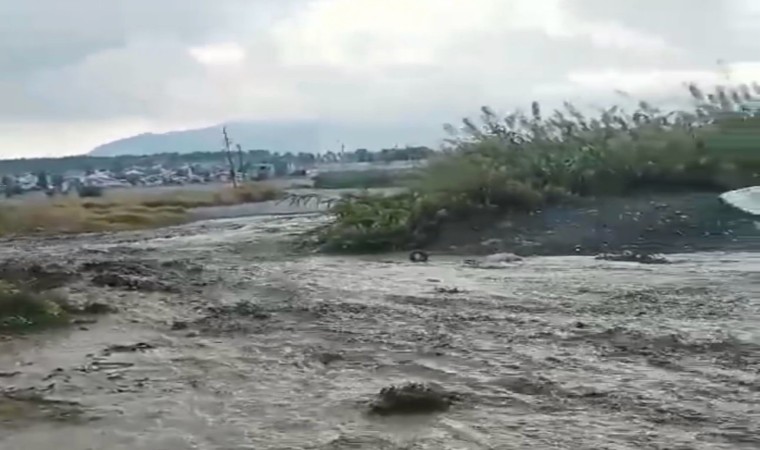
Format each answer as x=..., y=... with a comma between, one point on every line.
x=38, y=34
x=45, y=34
x=88, y=62
x=709, y=30
x=89, y=58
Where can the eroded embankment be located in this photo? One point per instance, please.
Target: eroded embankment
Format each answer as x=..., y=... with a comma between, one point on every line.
x=224, y=341
x=659, y=223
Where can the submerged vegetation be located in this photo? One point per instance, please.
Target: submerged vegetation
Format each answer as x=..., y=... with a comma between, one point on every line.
x=121, y=211
x=23, y=308
x=30, y=299
x=524, y=161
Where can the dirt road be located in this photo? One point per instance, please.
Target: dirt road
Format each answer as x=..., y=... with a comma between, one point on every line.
x=231, y=342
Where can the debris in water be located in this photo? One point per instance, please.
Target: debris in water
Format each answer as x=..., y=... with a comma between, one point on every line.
x=238, y=317
x=93, y=308
x=491, y=242
x=446, y=290
x=97, y=308
x=131, y=348
x=24, y=407
x=328, y=358
x=418, y=256
x=528, y=384
x=629, y=256
x=179, y=325
x=129, y=282
x=494, y=261
x=241, y=309
x=36, y=276
x=412, y=398
x=84, y=322
x=502, y=258
x=141, y=275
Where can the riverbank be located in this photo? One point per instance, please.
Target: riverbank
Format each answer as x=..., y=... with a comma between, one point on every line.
x=646, y=223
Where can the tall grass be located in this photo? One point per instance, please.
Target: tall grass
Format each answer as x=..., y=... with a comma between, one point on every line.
x=525, y=160
x=120, y=212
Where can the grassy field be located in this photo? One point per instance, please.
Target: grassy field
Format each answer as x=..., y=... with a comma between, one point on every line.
x=522, y=162
x=121, y=209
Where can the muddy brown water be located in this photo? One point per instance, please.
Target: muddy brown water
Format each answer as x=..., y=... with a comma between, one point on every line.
x=546, y=353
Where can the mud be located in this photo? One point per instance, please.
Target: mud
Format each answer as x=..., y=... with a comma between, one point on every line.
x=646, y=224
x=255, y=347
x=16, y=409
x=37, y=275
x=166, y=276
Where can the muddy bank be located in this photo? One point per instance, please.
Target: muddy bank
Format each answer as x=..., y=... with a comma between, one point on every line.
x=256, y=348
x=674, y=223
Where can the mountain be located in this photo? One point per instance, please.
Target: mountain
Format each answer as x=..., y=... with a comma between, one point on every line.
x=295, y=136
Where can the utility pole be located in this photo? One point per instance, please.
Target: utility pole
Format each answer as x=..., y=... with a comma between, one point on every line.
x=240, y=162
x=227, y=144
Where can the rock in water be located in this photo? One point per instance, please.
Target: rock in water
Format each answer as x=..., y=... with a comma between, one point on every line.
x=412, y=398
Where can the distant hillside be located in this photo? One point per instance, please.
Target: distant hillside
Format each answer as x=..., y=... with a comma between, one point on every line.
x=277, y=137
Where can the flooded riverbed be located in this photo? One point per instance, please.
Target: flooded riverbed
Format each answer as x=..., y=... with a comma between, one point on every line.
x=253, y=347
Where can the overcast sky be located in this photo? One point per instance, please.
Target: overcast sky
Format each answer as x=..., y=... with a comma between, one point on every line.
x=77, y=73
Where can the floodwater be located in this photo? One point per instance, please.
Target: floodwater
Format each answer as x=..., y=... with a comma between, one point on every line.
x=546, y=353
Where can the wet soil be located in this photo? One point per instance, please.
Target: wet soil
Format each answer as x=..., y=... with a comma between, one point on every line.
x=236, y=343
x=645, y=224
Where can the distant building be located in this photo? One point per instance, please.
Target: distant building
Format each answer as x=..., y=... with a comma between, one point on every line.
x=751, y=107
x=264, y=171
x=283, y=168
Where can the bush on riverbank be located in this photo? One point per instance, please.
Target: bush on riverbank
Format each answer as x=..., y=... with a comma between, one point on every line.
x=21, y=308
x=121, y=211
x=364, y=179
x=524, y=161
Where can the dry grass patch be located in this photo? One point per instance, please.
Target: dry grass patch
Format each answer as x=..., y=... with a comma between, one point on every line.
x=122, y=211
